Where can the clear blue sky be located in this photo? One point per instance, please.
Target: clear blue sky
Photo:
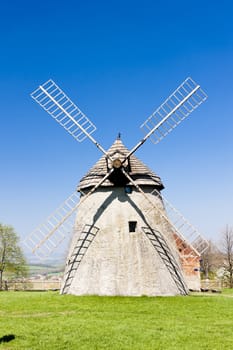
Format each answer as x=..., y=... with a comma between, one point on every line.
x=118, y=60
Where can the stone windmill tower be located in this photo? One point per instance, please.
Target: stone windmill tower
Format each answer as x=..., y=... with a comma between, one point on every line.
x=125, y=241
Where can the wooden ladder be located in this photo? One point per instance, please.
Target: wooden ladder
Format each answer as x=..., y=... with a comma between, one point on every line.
x=166, y=255
x=86, y=237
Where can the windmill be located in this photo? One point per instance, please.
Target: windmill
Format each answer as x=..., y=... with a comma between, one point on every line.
x=127, y=238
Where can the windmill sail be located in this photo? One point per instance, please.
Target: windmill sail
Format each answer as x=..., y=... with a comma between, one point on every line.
x=188, y=239
x=188, y=232
x=54, y=101
x=48, y=236
x=183, y=101
x=185, y=234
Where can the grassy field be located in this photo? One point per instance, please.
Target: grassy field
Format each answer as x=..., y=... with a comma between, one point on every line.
x=46, y=320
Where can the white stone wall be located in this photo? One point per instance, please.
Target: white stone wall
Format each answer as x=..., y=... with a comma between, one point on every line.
x=194, y=281
x=119, y=262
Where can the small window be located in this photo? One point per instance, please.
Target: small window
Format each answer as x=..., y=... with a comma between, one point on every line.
x=132, y=226
x=128, y=189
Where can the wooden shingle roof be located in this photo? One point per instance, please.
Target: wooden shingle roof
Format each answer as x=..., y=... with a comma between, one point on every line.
x=139, y=172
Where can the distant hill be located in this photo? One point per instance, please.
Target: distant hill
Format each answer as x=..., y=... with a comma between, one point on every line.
x=45, y=269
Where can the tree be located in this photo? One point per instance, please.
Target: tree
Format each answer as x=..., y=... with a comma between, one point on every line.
x=211, y=260
x=227, y=248
x=12, y=259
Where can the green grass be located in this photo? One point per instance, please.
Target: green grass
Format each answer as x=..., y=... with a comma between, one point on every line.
x=49, y=321
x=228, y=291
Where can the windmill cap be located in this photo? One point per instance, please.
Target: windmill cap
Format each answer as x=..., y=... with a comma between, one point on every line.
x=139, y=172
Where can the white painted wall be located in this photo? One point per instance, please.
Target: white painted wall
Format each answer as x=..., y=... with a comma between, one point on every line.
x=119, y=262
